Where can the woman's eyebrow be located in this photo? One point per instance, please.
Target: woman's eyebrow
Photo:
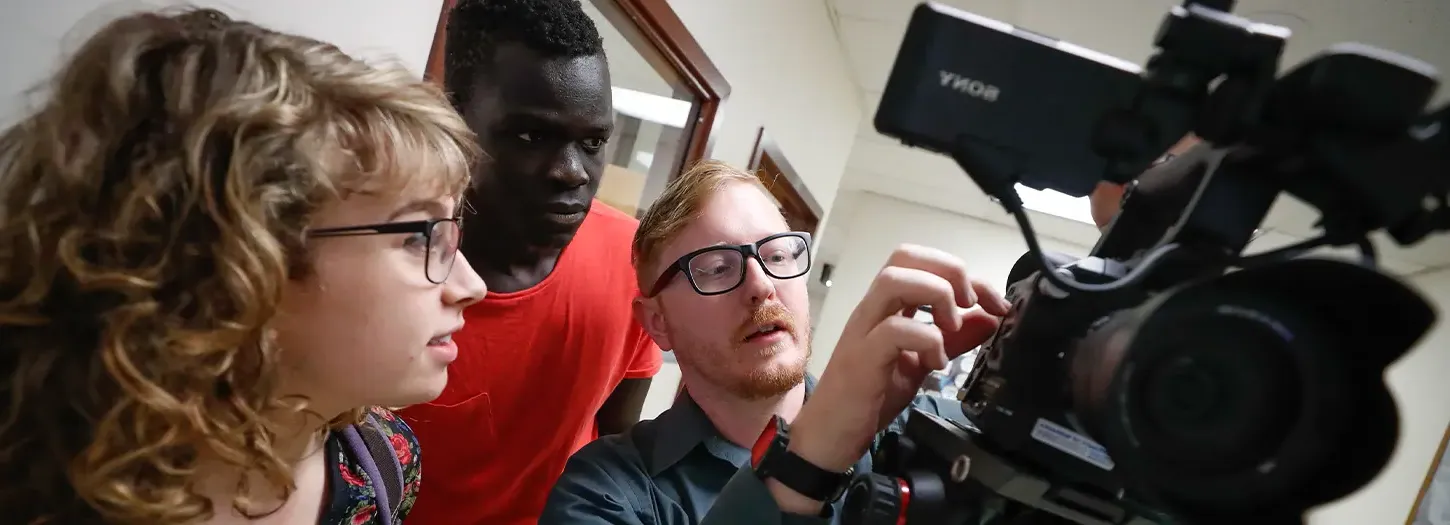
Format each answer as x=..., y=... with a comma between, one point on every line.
x=429, y=206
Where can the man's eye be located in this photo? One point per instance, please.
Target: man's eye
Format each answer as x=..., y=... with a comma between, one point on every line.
x=594, y=144
x=528, y=136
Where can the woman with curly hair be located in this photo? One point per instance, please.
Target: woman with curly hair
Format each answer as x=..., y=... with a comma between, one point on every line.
x=220, y=248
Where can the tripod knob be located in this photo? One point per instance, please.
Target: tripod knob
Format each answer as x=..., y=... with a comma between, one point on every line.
x=874, y=499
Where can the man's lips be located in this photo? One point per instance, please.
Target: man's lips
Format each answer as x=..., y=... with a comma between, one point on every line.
x=566, y=208
x=766, y=319
x=758, y=330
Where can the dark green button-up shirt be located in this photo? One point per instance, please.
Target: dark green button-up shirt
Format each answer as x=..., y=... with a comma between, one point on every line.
x=678, y=470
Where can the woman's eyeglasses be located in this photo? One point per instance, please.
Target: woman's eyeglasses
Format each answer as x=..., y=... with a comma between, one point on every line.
x=440, y=237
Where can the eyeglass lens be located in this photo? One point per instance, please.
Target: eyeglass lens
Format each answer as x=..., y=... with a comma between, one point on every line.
x=442, y=250
x=719, y=270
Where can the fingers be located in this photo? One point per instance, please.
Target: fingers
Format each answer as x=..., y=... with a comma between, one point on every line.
x=939, y=263
x=990, y=299
x=898, y=290
x=908, y=335
x=903, y=275
x=977, y=326
x=967, y=291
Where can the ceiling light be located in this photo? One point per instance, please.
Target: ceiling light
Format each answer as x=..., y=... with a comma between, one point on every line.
x=651, y=107
x=1077, y=209
x=645, y=158
x=1057, y=204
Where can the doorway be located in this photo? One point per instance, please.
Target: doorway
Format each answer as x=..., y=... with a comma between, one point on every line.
x=801, y=210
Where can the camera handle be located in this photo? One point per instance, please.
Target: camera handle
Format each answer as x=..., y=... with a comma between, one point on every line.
x=1211, y=75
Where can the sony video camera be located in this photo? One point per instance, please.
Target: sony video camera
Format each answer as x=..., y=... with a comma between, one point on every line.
x=1169, y=377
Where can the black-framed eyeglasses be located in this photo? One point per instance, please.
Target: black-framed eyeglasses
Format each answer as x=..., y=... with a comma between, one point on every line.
x=440, y=241
x=720, y=269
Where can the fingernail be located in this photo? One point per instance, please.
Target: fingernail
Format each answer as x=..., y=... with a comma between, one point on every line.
x=1006, y=305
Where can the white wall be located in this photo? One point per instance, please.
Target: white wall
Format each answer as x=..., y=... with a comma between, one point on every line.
x=661, y=391
x=871, y=225
x=787, y=73
x=1420, y=383
x=34, y=36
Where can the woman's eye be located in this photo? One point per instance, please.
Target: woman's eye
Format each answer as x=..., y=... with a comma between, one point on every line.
x=416, y=241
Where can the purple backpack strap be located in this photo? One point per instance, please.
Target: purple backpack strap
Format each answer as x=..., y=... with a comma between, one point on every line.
x=374, y=452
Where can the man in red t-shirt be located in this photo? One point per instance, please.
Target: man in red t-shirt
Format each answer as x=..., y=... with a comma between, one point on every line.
x=552, y=357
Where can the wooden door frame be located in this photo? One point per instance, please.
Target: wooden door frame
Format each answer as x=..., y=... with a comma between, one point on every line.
x=786, y=185
x=1429, y=477
x=657, y=26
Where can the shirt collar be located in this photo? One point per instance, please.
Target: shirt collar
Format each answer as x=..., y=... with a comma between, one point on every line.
x=685, y=426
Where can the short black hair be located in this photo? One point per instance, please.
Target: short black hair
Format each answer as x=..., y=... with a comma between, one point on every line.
x=476, y=29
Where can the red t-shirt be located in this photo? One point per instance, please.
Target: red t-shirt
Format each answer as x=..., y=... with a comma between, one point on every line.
x=533, y=369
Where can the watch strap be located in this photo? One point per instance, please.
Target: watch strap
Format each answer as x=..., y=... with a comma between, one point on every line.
x=772, y=459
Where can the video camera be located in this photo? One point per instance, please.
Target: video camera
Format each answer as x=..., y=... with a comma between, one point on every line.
x=1168, y=377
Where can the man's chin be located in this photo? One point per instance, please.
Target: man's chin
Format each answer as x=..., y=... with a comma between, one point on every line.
x=774, y=378
x=558, y=234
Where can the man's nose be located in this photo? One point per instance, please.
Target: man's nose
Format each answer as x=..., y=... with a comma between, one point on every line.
x=464, y=286
x=568, y=170
x=758, y=286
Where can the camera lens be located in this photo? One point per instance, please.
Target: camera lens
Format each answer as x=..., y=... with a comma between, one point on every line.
x=1210, y=394
x=1218, y=395
x=1251, y=393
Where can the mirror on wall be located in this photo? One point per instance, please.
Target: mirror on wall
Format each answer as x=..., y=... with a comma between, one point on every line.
x=652, y=123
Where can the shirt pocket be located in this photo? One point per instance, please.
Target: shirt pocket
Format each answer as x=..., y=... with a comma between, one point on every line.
x=456, y=433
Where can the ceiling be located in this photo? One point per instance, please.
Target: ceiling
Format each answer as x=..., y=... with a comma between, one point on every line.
x=870, y=33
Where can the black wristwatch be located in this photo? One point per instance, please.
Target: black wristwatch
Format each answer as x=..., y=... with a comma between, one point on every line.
x=772, y=460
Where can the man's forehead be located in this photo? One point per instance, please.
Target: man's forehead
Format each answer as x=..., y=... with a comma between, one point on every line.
x=524, y=77
x=737, y=214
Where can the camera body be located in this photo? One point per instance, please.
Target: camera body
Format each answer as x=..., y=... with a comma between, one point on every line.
x=1020, y=398
x=1168, y=377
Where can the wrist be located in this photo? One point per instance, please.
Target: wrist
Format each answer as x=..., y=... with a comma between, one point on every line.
x=825, y=449
x=798, y=485
x=792, y=502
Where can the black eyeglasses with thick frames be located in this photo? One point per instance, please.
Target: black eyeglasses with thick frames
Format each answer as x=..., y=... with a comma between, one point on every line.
x=721, y=269
x=440, y=241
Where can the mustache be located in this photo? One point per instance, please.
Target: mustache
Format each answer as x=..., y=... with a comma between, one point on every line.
x=773, y=313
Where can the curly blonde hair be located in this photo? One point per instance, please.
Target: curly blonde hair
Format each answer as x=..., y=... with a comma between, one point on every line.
x=151, y=212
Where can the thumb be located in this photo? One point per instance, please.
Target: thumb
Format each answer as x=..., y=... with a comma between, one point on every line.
x=977, y=327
